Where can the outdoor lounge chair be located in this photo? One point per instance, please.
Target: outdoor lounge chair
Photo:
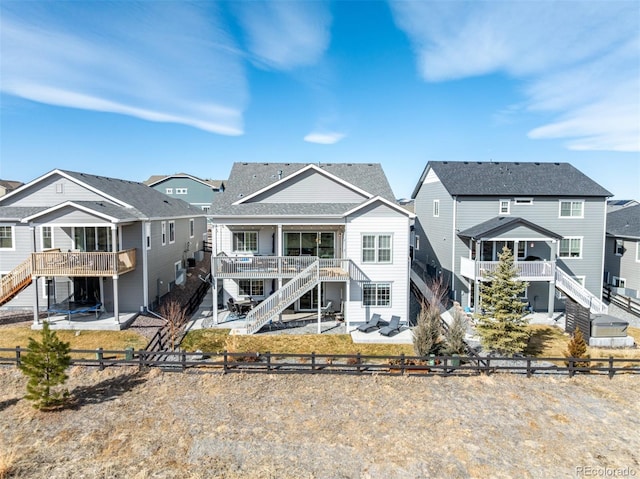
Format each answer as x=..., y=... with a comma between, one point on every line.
x=375, y=322
x=327, y=311
x=394, y=326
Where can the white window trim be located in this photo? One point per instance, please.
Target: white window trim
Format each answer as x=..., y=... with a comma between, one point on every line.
x=13, y=239
x=163, y=233
x=617, y=279
x=436, y=208
x=376, y=248
x=571, y=216
x=503, y=200
x=168, y=191
x=257, y=233
x=378, y=283
x=523, y=201
x=177, y=266
x=416, y=245
x=251, y=283
x=192, y=228
x=182, y=191
x=581, y=238
x=615, y=246
x=638, y=252
x=172, y=223
x=42, y=237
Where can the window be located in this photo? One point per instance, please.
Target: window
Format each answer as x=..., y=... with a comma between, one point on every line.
x=618, y=247
x=6, y=237
x=181, y=191
x=505, y=206
x=376, y=248
x=245, y=241
x=522, y=250
x=417, y=243
x=638, y=251
x=47, y=237
x=169, y=191
x=206, y=208
x=250, y=287
x=147, y=234
x=163, y=227
x=172, y=232
x=619, y=282
x=570, y=248
x=191, y=228
x=376, y=294
x=523, y=201
x=59, y=188
x=436, y=208
x=572, y=209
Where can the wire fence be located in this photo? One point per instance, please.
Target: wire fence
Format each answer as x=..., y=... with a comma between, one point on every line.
x=353, y=364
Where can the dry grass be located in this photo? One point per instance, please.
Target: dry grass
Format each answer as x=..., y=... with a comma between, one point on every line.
x=219, y=340
x=108, y=340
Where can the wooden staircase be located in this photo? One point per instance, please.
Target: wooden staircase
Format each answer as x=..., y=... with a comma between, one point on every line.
x=15, y=281
x=579, y=293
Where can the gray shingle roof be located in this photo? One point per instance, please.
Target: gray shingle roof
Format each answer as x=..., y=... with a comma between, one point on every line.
x=16, y=213
x=513, y=178
x=494, y=225
x=624, y=222
x=150, y=203
x=247, y=178
x=154, y=179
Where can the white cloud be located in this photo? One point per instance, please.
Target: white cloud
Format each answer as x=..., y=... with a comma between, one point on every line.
x=158, y=61
x=579, y=60
x=285, y=35
x=324, y=138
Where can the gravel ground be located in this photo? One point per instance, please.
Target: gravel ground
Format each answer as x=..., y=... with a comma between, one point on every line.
x=166, y=425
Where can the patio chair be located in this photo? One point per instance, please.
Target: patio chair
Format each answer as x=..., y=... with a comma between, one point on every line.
x=234, y=311
x=375, y=322
x=328, y=310
x=394, y=326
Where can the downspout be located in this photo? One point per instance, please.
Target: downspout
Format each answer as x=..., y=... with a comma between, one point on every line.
x=34, y=279
x=604, y=245
x=145, y=262
x=453, y=248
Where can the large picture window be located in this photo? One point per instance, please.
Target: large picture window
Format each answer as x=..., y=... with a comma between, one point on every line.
x=245, y=241
x=572, y=209
x=570, y=248
x=376, y=248
x=376, y=294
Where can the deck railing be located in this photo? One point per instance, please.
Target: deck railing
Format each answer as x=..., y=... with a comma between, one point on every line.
x=260, y=267
x=579, y=293
x=527, y=270
x=97, y=263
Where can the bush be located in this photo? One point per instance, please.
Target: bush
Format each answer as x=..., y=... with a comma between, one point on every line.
x=454, y=336
x=577, y=348
x=427, y=335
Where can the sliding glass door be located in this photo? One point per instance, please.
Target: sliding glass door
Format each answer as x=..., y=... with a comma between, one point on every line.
x=316, y=243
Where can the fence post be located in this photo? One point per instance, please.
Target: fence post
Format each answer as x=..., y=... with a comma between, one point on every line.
x=140, y=359
x=571, y=367
x=611, y=370
x=528, y=367
x=268, y=353
x=402, y=364
x=359, y=361
x=313, y=360
x=100, y=358
x=18, y=356
x=224, y=361
x=184, y=360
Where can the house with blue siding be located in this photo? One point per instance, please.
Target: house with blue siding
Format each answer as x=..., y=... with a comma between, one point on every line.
x=550, y=215
x=195, y=191
x=300, y=237
x=622, y=250
x=76, y=242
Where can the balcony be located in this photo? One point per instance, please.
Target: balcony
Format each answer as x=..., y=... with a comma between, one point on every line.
x=98, y=263
x=286, y=267
x=527, y=270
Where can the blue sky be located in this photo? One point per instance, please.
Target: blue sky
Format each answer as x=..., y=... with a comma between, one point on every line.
x=130, y=89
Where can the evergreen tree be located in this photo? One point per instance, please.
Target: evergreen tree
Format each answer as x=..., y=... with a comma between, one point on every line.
x=501, y=323
x=45, y=365
x=577, y=348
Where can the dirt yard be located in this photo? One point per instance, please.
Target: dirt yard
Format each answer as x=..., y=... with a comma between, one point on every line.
x=167, y=425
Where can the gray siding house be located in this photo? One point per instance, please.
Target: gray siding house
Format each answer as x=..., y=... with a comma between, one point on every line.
x=301, y=237
x=622, y=250
x=550, y=215
x=195, y=191
x=74, y=240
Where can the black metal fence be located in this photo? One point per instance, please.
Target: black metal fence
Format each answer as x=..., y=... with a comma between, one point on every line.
x=355, y=364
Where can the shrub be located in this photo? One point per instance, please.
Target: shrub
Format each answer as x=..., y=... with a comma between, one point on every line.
x=427, y=335
x=577, y=348
x=45, y=364
x=454, y=336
